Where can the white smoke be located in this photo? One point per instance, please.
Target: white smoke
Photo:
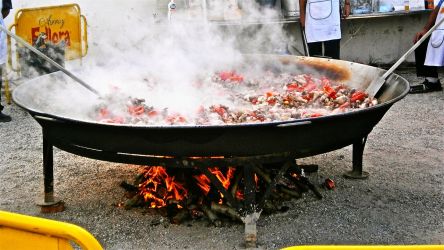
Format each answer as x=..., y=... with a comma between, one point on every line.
x=135, y=49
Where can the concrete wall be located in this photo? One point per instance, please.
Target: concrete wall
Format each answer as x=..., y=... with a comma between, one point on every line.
x=378, y=40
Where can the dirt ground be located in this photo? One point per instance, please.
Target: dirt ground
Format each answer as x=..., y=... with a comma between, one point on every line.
x=402, y=202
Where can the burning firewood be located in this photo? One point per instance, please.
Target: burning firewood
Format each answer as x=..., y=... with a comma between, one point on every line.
x=225, y=210
x=185, y=194
x=212, y=216
x=181, y=216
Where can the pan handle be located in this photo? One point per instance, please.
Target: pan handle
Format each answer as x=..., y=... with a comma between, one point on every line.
x=293, y=124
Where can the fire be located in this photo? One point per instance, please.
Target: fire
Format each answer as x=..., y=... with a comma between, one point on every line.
x=159, y=187
x=204, y=183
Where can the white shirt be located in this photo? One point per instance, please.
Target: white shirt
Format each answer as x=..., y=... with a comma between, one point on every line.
x=435, y=49
x=3, y=45
x=322, y=20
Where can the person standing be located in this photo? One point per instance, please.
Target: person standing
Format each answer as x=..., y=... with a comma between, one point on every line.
x=321, y=20
x=6, y=6
x=430, y=54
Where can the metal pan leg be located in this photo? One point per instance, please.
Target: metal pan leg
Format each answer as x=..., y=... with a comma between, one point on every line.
x=358, y=152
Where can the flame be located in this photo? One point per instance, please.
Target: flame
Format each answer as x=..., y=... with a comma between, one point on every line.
x=159, y=187
x=204, y=183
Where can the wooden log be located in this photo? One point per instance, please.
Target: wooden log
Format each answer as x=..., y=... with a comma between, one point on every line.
x=211, y=216
x=139, y=179
x=292, y=193
x=128, y=187
x=137, y=200
x=305, y=181
x=225, y=210
x=266, y=177
x=180, y=217
x=302, y=186
x=234, y=187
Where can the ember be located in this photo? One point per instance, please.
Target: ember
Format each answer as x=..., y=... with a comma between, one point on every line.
x=189, y=194
x=255, y=99
x=158, y=187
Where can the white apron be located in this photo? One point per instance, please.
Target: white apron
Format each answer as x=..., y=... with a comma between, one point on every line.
x=3, y=50
x=435, y=48
x=322, y=20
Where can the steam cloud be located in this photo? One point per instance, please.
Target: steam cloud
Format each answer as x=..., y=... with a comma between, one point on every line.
x=133, y=48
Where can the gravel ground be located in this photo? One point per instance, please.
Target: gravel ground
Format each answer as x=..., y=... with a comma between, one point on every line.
x=402, y=202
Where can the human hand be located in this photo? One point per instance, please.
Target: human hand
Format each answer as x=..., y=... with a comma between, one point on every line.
x=418, y=35
x=347, y=10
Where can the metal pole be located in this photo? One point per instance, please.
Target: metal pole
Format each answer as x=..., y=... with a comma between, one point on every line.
x=58, y=66
x=304, y=39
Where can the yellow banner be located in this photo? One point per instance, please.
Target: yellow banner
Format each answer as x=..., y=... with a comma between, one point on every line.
x=57, y=22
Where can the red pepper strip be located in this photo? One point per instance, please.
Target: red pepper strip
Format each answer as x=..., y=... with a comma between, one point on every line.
x=103, y=113
x=236, y=78
x=181, y=119
x=136, y=110
x=344, y=105
x=293, y=87
x=307, y=97
x=257, y=117
x=358, y=96
x=329, y=91
x=153, y=113
x=253, y=100
x=219, y=110
x=325, y=81
x=310, y=86
x=176, y=119
x=316, y=115
x=230, y=75
x=225, y=75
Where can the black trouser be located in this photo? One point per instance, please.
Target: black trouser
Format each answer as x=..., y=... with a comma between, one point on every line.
x=331, y=48
x=1, y=81
x=421, y=69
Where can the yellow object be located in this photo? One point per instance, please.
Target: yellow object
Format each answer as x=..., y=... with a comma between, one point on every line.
x=368, y=247
x=7, y=91
x=63, y=22
x=27, y=232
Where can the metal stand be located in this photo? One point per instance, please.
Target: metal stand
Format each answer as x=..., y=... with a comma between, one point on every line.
x=49, y=204
x=358, y=152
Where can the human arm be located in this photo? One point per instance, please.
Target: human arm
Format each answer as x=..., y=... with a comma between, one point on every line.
x=429, y=24
x=347, y=9
x=302, y=4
